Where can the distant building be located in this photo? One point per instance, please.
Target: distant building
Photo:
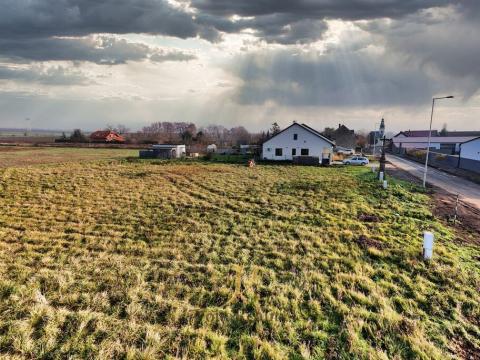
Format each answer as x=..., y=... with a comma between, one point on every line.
x=441, y=144
x=416, y=133
x=298, y=140
x=106, y=136
x=463, y=133
x=249, y=149
x=375, y=138
x=164, y=151
x=212, y=148
x=343, y=136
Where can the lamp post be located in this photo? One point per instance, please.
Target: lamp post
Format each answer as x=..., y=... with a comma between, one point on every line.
x=430, y=136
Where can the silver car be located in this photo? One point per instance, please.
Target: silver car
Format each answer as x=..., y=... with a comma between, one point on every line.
x=356, y=160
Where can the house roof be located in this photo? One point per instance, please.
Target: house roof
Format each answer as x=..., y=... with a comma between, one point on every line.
x=475, y=138
x=166, y=146
x=417, y=133
x=434, y=140
x=463, y=133
x=103, y=134
x=305, y=127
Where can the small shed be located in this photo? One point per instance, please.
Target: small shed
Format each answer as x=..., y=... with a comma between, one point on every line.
x=164, y=151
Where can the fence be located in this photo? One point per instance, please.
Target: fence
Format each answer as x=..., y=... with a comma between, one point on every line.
x=449, y=163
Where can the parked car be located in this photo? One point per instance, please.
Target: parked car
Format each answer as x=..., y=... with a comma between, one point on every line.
x=344, y=151
x=356, y=160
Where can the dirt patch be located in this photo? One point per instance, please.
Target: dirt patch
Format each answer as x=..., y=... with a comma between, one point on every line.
x=368, y=218
x=467, y=223
x=366, y=242
x=465, y=349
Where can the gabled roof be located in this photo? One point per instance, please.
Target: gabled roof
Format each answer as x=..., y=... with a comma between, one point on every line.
x=463, y=133
x=305, y=127
x=417, y=133
x=103, y=135
x=477, y=138
x=433, y=139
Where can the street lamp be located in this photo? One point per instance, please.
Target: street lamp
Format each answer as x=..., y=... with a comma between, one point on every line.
x=429, y=137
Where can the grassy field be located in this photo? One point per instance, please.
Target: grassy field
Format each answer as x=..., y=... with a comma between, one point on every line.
x=147, y=260
x=15, y=156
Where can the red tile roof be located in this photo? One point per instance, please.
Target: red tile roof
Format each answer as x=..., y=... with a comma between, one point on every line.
x=106, y=136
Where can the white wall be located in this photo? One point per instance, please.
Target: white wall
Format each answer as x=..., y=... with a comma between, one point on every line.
x=181, y=150
x=285, y=141
x=471, y=150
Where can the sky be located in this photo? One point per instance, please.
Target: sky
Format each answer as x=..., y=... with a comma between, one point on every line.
x=68, y=64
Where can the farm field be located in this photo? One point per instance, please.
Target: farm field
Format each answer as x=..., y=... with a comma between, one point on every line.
x=146, y=260
x=11, y=156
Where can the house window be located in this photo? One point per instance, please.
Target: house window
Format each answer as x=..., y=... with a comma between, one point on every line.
x=295, y=136
x=294, y=152
x=278, y=152
x=304, y=152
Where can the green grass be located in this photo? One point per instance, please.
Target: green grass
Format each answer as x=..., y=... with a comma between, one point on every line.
x=146, y=260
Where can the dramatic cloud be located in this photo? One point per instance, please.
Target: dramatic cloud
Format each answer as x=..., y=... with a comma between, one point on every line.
x=319, y=9
x=290, y=22
x=391, y=62
x=446, y=45
x=341, y=78
x=282, y=58
x=46, y=18
x=97, y=49
x=279, y=21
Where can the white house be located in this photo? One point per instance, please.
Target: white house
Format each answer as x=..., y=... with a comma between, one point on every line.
x=297, y=140
x=469, y=158
x=471, y=149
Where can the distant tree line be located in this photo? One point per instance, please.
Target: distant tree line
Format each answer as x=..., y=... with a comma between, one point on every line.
x=189, y=134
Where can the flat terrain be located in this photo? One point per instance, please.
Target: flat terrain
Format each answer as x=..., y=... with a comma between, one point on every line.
x=15, y=156
x=468, y=191
x=118, y=259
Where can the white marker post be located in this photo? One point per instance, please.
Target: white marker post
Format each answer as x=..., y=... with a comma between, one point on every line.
x=428, y=240
x=380, y=176
x=385, y=184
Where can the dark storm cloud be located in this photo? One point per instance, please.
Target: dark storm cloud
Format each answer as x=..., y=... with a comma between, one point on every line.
x=318, y=9
x=46, y=76
x=397, y=62
x=45, y=18
x=100, y=50
x=335, y=79
x=446, y=45
x=291, y=22
x=278, y=21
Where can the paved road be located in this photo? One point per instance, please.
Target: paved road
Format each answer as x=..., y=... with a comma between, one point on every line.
x=468, y=191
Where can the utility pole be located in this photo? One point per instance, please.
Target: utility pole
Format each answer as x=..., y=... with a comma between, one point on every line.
x=430, y=137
